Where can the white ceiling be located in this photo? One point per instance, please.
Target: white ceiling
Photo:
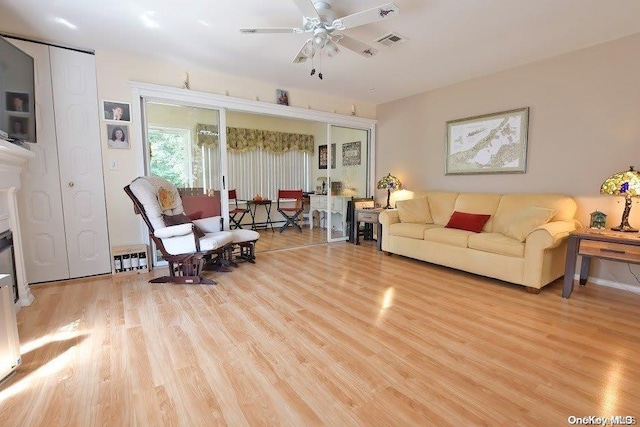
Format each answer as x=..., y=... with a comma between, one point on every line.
x=448, y=40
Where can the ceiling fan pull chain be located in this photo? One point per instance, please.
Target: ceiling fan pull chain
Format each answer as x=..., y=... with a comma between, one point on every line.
x=313, y=68
x=320, y=65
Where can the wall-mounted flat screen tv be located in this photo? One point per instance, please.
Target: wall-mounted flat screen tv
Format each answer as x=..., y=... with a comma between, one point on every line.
x=17, y=93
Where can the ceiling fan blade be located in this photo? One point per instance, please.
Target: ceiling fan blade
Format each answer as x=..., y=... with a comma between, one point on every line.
x=271, y=30
x=307, y=8
x=368, y=16
x=303, y=54
x=357, y=46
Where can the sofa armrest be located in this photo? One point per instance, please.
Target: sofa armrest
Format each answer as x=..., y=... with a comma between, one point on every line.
x=174, y=231
x=388, y=217
x=550, y=235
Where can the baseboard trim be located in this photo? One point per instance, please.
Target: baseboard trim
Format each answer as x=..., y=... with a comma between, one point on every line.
x=611, y=284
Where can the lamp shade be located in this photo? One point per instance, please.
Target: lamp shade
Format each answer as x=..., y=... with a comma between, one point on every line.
x=389, y=183
x=627, y=184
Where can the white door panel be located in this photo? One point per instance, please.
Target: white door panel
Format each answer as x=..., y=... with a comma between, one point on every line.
x=39, y=198
x=81, y=177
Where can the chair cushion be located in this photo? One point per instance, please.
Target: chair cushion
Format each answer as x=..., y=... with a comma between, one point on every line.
x=414, y=211
x=243, y=236
x=181, y=218
x=168, y=197
x=467, y=221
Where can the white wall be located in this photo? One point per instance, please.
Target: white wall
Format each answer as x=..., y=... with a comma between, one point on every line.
x=584, y=125
x=115, y=70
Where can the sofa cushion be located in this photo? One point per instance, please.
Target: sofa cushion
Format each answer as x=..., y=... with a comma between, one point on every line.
x=525, y=221
x=448, y=236
x=411, y=230
x=496, y=243
x=441, y=206
x=414, y=210
x=467, y=221
x=479, y=203
x=564, y=207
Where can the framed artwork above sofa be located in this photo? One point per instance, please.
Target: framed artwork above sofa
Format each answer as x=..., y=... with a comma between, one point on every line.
x=491, y=143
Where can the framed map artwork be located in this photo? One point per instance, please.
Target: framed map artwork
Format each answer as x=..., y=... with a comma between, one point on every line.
x=492, y=143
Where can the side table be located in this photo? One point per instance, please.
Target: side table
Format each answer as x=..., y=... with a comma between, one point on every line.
x=596, y=243
x=253, y=206
x=368, y=216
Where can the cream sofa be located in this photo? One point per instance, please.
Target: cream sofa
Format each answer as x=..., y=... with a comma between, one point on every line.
x=523, y=242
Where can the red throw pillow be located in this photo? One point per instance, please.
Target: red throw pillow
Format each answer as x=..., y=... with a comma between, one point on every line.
x=178, y=219
x=467, y=221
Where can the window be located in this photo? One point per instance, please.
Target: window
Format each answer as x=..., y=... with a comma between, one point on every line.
x=171, y=155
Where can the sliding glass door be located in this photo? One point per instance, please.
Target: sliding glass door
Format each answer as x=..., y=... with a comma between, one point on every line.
x=347, y=173
x=182, y=146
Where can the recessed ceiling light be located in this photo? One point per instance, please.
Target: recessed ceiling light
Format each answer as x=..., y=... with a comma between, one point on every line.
x=148, y=22
x=65, y=23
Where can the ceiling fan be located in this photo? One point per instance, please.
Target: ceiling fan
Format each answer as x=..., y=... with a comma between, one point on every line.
x=320, y=21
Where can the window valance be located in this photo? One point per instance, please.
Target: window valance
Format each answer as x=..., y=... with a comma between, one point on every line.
x=242, y=139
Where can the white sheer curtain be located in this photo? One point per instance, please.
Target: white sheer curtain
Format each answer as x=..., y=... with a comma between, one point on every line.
x=262, y=172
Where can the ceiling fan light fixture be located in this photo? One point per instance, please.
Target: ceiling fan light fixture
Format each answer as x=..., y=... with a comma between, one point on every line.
x=332, y=49
x=309, y=49
x=320, y=40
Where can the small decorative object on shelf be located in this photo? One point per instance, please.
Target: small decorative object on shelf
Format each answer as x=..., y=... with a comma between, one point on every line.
x=389, y=183
x=598, y=220
x=129, y=259
x=627, y=184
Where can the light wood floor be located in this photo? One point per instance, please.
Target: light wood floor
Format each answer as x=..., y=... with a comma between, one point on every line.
x=337, y=335
x=289, y=238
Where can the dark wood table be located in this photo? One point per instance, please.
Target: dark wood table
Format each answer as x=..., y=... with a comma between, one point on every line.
x=253, y=206
x=597, y=243
x=368, y=216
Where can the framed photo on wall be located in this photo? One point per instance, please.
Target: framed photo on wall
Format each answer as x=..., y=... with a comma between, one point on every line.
x=351, y=153
x=492, y=143
x=323, y=156
x=116, y=111
x=17, y=102
x=118, y=136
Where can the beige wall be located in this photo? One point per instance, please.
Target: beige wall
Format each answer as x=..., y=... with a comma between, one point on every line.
x=584, y=125
x=115, y=70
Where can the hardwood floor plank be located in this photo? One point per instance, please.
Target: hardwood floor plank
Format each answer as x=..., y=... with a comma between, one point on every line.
x=327, y=334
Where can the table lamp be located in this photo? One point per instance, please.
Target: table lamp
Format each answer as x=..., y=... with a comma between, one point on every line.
x=625, y=184
x=389, y=183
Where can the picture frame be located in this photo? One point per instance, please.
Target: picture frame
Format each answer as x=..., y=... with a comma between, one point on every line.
x=323, y=156
x=19, y=127
x=116, y=111
x=17, y=102
x=117, y=140
x=351, y=153
x=282, y=97
x=488, y=144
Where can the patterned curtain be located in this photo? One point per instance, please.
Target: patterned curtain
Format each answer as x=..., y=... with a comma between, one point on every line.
x=206, y=135
x=241, y=140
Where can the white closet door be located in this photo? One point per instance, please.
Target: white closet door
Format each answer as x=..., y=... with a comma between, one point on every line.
x=39, y=198
x=75, y=101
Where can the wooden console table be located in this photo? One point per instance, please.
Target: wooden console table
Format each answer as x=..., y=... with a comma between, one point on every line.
x=603, y=244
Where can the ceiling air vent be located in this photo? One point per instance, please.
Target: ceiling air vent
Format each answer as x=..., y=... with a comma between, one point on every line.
x=391, y=39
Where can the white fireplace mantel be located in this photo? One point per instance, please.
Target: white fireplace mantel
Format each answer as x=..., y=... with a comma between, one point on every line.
x=12, y=159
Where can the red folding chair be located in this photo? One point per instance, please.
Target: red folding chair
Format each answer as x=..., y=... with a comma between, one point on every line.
x=290, y=213
x=236, y=214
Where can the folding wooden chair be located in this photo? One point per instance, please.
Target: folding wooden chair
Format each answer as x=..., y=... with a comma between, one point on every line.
x=290, y=213
x=236, y=214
